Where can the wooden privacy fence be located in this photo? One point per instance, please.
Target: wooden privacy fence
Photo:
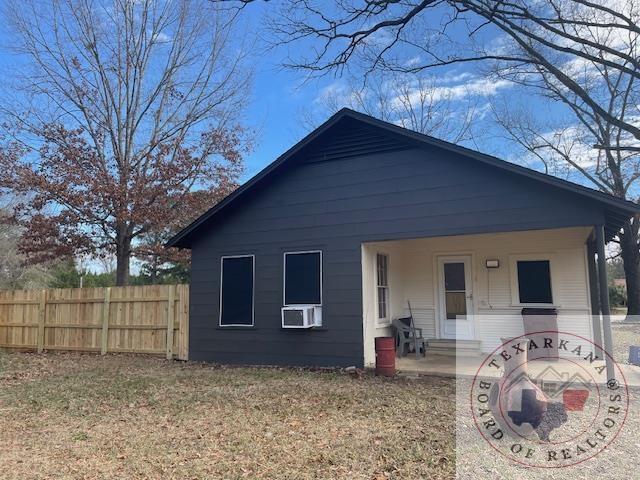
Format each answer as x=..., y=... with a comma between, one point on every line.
x=147, y=319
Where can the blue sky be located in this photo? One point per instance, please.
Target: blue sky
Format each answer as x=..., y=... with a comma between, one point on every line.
x=277, y=98
x=280, y=95
x=274, y=111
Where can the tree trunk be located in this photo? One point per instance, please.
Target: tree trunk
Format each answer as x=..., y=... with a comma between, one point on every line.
x=631, y=257
x=123, y=257
x=154, y=270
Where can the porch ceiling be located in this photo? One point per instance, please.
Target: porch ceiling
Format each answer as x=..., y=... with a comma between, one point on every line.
x=582, y=232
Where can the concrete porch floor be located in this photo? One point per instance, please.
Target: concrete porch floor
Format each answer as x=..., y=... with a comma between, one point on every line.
x=467, y=366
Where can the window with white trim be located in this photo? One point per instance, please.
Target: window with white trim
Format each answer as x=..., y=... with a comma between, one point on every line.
x=303, y=278
x=382, y=283
x=534, y=282
x=237, y=282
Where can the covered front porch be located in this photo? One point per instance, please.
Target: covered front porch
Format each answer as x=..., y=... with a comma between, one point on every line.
x=467, y=292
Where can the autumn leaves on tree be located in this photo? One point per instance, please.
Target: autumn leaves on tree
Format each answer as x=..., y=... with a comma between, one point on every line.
x=127, y=125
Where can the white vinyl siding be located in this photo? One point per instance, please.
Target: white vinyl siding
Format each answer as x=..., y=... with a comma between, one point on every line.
x=412, y=270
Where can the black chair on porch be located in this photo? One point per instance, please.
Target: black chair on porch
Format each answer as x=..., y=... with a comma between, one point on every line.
x=407, y=334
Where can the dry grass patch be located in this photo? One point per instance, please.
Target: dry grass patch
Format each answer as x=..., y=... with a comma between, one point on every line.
x=85, y=416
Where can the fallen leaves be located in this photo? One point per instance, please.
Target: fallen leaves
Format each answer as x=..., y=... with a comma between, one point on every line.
x=143, y=417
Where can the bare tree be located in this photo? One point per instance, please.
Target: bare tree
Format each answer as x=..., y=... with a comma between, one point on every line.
x=587, y=144
x=581, y=53
x=129, y=106
x=566, y=148
x=414, y=101
x=416, y=35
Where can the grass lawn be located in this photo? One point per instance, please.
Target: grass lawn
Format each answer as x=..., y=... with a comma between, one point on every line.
x=118, y=416
x=624, y=335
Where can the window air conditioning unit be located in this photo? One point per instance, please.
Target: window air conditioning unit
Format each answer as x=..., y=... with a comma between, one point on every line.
x=301, y=317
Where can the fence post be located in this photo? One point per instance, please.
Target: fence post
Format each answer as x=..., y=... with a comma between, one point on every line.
x=171, y=305
x=183, y=321
x=42, y=317
x=105, y=321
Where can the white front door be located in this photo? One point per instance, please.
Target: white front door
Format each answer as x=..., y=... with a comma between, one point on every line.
x=455, y=297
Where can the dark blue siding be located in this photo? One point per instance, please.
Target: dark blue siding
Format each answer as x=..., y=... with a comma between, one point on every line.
x=336, y=205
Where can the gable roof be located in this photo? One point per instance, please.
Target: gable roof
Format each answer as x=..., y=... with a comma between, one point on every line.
x=618, y=210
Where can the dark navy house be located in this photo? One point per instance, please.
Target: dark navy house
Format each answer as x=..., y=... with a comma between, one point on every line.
x=315, y=256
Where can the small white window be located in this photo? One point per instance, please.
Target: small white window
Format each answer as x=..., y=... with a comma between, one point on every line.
x=382, y=275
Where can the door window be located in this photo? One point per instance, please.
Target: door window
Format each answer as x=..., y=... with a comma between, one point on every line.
x=455, y=290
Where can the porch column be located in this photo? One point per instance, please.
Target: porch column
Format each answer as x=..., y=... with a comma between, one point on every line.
x=604, y=301
x=594, y=293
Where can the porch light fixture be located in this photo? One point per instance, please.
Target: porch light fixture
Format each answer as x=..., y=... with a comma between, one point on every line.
x=492, y=263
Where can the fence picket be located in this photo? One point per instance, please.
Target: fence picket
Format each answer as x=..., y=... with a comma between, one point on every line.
x=42, y=318
x=104, y=339
x=171, y=305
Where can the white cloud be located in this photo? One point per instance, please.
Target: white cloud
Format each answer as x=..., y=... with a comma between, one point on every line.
x=336, y=92
x=577, y=143
x=458, y=88
x=455, y=77
x=482, y=87
x=162, y=37
x=413, y=61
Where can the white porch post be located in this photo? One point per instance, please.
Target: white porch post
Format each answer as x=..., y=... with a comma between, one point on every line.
x=594, y=293
x=604, y=301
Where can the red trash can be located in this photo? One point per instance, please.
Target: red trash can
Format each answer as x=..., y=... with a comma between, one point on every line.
x=385, y=356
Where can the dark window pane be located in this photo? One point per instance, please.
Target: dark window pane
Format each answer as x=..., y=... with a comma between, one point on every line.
x=382, y=270
x=454, y=276
x=534, y=281
x=302, y=279
x=237, y=291
x=382, y=302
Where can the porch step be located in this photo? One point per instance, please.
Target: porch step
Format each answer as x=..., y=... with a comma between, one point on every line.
x=465, y=348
